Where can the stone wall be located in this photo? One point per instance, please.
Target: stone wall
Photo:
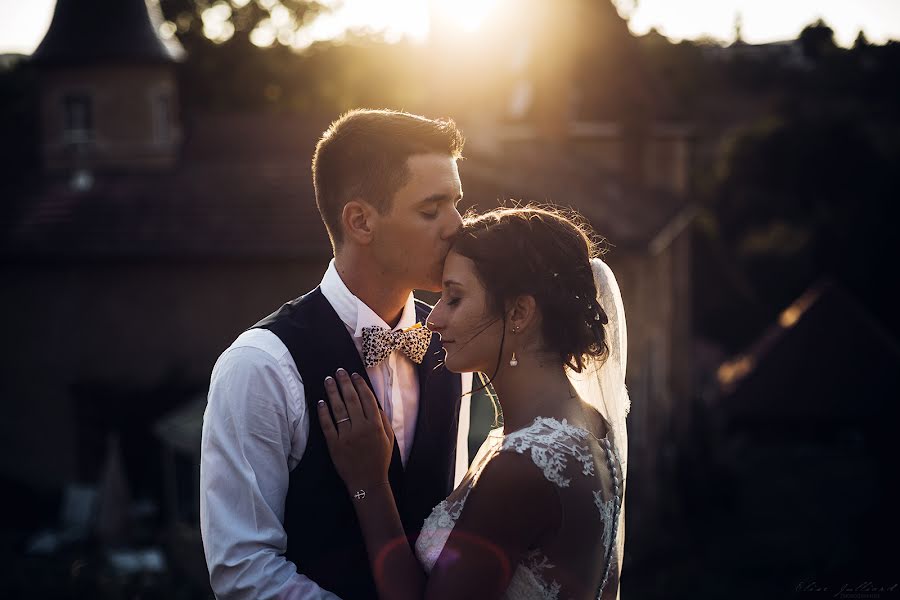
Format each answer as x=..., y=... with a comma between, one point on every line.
x=122, y=323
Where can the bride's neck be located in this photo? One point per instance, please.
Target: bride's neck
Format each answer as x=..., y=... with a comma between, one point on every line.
x=537, y=386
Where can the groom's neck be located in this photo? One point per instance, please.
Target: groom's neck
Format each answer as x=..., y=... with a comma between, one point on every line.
x=365, y=280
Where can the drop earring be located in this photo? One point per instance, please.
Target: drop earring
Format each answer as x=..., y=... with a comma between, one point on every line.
x=513, y=362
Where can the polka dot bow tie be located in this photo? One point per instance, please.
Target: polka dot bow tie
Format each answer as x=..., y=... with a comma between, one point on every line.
x=378, y=343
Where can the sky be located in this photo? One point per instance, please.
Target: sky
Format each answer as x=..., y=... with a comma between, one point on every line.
x=24, y=22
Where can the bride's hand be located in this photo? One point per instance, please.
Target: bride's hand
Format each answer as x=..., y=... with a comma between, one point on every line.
x=359, y=436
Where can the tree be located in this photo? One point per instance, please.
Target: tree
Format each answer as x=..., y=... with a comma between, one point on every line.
x=801, y=198
x=861, y=41
x=202, y=22
x=817, y=41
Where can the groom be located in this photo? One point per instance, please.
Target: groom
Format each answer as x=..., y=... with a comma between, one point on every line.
x=276, y=520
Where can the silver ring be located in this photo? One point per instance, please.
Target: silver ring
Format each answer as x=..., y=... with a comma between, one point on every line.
x=341, y=421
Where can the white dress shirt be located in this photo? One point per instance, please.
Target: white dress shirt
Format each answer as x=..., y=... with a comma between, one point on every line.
x=255, y=431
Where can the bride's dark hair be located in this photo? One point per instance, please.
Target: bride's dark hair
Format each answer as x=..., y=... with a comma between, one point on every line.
x=545, y=253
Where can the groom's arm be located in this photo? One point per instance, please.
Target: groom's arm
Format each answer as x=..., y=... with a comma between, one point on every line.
x=254, y=431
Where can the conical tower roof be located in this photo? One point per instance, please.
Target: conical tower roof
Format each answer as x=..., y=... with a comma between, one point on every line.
x=88, y=32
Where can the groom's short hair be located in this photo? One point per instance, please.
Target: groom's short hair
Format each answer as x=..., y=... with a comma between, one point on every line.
x=363, y=155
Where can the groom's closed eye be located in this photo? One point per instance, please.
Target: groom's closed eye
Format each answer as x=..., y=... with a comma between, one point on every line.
x=430, y=207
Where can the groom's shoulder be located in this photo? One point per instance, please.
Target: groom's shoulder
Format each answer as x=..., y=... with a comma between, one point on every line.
x=254, y=347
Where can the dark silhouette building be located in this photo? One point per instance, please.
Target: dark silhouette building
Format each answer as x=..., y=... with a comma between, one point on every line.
x=109, y=97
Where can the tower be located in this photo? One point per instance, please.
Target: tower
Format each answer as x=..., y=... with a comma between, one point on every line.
x=109, y=95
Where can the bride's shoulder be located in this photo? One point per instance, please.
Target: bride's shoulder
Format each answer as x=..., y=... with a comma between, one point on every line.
x=511, y=475
x=543, y=431
x=552, y=445
x=508, y=503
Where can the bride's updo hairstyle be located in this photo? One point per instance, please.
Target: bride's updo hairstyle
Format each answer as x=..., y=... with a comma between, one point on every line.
x=544, y=253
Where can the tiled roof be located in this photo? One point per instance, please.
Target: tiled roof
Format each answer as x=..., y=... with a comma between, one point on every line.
x=628, y=216
x=243, y=189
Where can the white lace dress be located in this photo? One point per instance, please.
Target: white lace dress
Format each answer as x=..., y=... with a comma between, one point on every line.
x=586, y=472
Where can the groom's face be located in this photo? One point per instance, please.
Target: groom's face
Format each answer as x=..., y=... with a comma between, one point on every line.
x=412, y=240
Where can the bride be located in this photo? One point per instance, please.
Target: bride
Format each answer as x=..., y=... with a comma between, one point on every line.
x=540, y=513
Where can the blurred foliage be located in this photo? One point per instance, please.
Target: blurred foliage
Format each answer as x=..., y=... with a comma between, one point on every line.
x=456, y=71
x=323, y=78
x=244, y=15
x=797, y=167
x=817, y=41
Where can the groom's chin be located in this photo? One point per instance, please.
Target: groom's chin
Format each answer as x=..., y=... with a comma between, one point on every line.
x=433, y=283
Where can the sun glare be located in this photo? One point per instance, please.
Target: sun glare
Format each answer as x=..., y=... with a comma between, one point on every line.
x=394, y=20
x=391, y=19
x=468, y=15
x=763, y=20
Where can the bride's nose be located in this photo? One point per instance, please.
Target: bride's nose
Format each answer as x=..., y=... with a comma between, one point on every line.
x=434, y=321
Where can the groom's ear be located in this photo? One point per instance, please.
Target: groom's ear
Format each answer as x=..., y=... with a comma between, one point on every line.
x=356, y=219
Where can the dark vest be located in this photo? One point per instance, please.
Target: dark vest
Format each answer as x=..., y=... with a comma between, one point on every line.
x=323, y=535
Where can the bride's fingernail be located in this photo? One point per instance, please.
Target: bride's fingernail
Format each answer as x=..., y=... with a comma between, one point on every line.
x=321, y=403
x=356, y=376
x=341, y=372
x=329, y=379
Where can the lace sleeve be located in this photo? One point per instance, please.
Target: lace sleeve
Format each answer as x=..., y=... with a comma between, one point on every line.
x=553, y=445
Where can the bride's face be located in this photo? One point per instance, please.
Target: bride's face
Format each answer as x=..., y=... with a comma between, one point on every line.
x=470, y=333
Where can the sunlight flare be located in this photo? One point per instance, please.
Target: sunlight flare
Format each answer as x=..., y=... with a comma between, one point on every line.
x=467, y=15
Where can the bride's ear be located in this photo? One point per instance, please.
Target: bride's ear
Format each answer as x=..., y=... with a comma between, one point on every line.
x=521, y=313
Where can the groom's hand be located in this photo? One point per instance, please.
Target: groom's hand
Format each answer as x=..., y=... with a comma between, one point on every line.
x=359, y=435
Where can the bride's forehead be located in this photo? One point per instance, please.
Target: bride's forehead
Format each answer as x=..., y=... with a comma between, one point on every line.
x=459, y=268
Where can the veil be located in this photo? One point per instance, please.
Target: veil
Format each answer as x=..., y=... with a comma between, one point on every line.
x=602, y=383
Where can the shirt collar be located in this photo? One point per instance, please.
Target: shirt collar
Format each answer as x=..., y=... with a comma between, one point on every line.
x=354, y=312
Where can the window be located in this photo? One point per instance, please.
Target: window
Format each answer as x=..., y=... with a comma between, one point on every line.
x=78, y=118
